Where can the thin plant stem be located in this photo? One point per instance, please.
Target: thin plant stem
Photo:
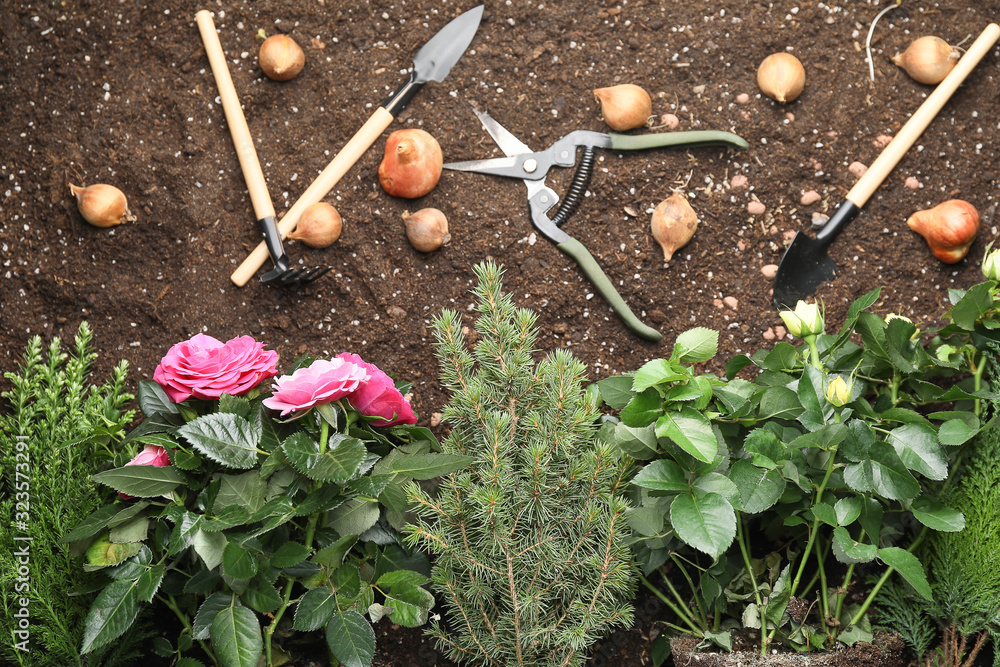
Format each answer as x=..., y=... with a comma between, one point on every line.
x=823, y=596
x=694, y=589
x=753, y=582
x=694, y=631
x=171, y=604
x=843, y=596
x=868, y=40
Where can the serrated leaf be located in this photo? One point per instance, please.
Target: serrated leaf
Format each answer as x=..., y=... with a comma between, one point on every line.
x=92, y=525
x=354, y=517
x=825, y=513
x=245, y=490
x=918, y=449
x=153, y=400
x=334, y=554
x=236, y=636
x=229, y=517
x=202, y=581
x=396, y=577
x=226, y=438
x=149, y=582
x=289, y=554
x=779, y=403
x=110, y=615
x=314, y=609
x=971, y=306
x=643, y=409
x=696, y=345
x=847, y=510
x=705, y=521
x=662, y=475
x=141, y=481
x=639, y=443
x=104, y=553
x=429, y=466
x=261, y=597
x=653, y=373
x=936, y=516
x=213, y=604
x=341, y=461
x=909, y=568
x=410, y=605
x=210, y=546
x=759, y=488
x=133, y=531
x=351, y=639
x=691, y=431
x=237, y=562
x=856, y=552
x=616, y=391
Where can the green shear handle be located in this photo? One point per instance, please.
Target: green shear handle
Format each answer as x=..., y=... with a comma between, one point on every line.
x=600, y=280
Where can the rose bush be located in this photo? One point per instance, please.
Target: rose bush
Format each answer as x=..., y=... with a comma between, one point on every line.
x=206, y=368
x=233, y=515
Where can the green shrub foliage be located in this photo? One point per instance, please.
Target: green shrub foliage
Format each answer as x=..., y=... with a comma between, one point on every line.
x=532, y=562
x=53, y=437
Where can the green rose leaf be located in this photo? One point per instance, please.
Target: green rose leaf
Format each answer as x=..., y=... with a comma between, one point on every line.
x=227, y=438
x=936, y=516
x=959, y=427
x=236, y=637
x=909, y=568
x=104, y=553
x=354, y=517
x=653, y=373
x=237, y=562
x=410, y=605
x=210, y=546
x=141, y=481
x=149, y=582
x=695, y=345
x=111, y=614
x=244, y=490
x=202, y=581
x=972, y=306
x=314, y=609
x=847, y=510
x=706, y=521
x=341, y=461
x=825, y=513
x=856, y=552
x=207, y=612
x=643, y=409
x=616, y=391
x=884, y=473
x=871, y=518
x=334, y=554
x=289, y=554
x=396, y=577
x=872, y=330
x=133, y=531
x=918, y=448
x=759, y=488
x=639, y=443
x=691, y=431
x=261, y=596
x=779, y=403
x=153, y=400
x=351, y=639
x=429, y=466
x=765, y=446
x=92, y=525
x=662, y=475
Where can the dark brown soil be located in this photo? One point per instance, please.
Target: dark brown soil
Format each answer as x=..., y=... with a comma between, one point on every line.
x=121, y=92
x=886, y=650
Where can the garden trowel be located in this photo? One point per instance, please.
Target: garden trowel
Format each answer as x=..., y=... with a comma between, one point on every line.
x=805, y=265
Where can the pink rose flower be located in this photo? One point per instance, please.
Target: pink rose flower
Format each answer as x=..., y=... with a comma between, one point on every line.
x=378, y=396
x=206, y=368
x=151, y=455
x=322, y=382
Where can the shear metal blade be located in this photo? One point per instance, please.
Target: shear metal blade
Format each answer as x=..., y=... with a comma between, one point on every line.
x=507, y=142
x=501, y=166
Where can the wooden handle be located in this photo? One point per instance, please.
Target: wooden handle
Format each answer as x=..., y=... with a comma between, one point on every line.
x=922, y=117
x=250, y=165
x=319, y=188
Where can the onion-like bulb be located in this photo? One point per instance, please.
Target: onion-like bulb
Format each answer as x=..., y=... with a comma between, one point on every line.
x=102, y=205
x=281, y=58
x=411, y=165
x=928, y=59
x=427, y=229
x=781, y=77
x=625, y=106
x=319, y=227
x=674, y=223
x=949, y=228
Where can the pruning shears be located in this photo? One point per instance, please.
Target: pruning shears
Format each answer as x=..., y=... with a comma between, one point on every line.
x=532, y=167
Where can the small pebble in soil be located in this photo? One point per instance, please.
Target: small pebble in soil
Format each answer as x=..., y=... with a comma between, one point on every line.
x=742, y=98
x=436, y=419
x=772, y=230
x=699, y=89
x=769, y=271
x=788, y=235
x=810, y=197
x=717, y=303
x=741, y=245
x=912, y=183
x=882, y=140
x=756, y=208
x=780, y=331
x=669, y=121
x=819, y=219
x=790, y=116
x=731, y=302
x=857, y=169
x=738, y=181
x=769, y=334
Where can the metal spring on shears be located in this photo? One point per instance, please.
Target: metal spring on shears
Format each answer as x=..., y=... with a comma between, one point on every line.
x=577, y=188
